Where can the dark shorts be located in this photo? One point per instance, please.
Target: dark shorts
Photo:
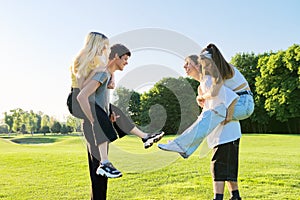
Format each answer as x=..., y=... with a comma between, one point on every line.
x=73, y=104
x=224, y=163
x=105, y=130
x=103, y=127
x=124, y=124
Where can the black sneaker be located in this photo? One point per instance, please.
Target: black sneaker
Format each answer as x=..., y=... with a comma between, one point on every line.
x=150, y=139
x=108, y=170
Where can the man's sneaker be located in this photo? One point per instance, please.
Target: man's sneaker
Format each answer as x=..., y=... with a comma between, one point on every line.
x=150, y=139
x=171, y=146
x=108, y=170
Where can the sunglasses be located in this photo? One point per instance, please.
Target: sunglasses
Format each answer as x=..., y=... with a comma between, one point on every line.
x=100, y=34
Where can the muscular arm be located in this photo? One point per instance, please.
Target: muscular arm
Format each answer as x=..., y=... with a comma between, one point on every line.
x=83, y=98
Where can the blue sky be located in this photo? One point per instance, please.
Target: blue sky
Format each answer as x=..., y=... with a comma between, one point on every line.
x=39, y=39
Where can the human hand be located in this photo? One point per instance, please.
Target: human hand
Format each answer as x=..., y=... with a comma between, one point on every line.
x=200, y=101
x=111, y=84
x=113, y=117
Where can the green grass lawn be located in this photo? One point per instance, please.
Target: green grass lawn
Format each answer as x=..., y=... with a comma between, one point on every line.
x=55, y=167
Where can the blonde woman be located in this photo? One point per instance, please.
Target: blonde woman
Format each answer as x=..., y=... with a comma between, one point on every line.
x=94, y=82
x=88, y=59
x=91, y=60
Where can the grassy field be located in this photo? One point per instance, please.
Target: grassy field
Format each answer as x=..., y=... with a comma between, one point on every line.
x=55, y=167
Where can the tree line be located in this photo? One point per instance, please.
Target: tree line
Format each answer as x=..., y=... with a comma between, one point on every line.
x=274, y=79
x=21, y=121
x=170, y=105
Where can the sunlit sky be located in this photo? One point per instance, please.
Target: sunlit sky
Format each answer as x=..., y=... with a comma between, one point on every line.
x=39, y=39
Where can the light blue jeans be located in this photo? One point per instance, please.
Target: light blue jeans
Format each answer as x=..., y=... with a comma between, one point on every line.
x=208, y=120
x=244, y=107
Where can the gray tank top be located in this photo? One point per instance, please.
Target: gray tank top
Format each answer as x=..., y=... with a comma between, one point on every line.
x=102, y=94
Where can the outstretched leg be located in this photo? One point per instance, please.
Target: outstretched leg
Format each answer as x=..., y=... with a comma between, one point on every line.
x=191, y=138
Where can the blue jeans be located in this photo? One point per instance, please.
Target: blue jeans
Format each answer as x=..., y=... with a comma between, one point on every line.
x=208, y=120
x=244, y=107
x=192, y=137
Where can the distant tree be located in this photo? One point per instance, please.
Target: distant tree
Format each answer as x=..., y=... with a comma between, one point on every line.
x=55, y=128
x=70, y=129
x=129, y=102
x=4, y=128
x=247, y=65
x=171, y=103
x=74, y=123
x=9, y=120
x=279, y=83
x=23, y=129
x=64, y=129
x=134, y=107
x=32, y=122
x=17, y=119
x=45, y=129
x=45, y=121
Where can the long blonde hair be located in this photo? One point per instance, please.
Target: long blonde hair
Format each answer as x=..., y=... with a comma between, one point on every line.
x=87, y=58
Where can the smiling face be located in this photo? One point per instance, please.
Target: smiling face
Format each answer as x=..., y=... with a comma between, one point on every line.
x=122, y=62
x=191, y=68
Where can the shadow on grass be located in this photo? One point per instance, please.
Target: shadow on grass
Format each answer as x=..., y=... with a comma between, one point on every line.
x=6, y=137
x=34, y=140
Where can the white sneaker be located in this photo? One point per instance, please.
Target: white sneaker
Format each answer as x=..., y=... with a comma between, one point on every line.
x=155, y=137
x=171, y=146
x=108, y=170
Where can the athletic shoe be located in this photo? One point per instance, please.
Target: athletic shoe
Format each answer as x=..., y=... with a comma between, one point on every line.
x=171, y=146
x=150, y=139
x=108, y=170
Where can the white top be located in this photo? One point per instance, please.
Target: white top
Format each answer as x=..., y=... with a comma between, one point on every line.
x=225, y=95
x=224, y=134
x=237, y=80
x=232, y=130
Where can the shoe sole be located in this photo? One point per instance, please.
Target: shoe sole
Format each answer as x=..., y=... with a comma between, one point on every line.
x=108, y=175
x=162, y=147
x=150, y=142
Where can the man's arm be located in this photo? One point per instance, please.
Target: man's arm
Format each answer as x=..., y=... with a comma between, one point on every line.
x=83, y=98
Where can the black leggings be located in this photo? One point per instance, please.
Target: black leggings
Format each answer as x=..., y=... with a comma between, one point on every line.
x=122, y=126
x=99, y=183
